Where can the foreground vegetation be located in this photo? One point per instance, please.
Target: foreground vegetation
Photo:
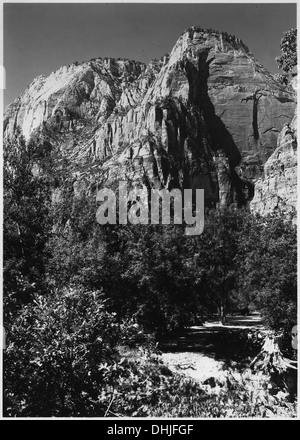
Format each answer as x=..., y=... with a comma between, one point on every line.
x=69, y=357
x=76, y=293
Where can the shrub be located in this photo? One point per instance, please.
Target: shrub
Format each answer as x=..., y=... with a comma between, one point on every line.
x=55, y=349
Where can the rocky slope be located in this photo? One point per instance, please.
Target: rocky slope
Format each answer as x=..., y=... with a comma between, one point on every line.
x=206, y=116
x=276, y=191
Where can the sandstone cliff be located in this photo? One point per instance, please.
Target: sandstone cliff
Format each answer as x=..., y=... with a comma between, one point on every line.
x=276, y=191
x=206, y=116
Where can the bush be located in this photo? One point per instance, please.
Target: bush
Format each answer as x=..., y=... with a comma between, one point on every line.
x=56, y=349
x=151, y=391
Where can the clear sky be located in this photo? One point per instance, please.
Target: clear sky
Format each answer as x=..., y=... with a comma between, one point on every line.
x=39, y=38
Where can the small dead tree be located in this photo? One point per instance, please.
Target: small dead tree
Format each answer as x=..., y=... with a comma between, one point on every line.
x=271, y=361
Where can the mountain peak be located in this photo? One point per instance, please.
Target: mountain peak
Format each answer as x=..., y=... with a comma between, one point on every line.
x=197, y=32
x=164, y=123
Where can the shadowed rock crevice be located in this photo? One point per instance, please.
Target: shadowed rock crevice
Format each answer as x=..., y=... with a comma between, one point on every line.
x=188, y=120
x=219, y=138
x=254, y=122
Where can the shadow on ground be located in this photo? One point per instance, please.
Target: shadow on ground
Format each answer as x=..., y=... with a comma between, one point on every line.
x=228, y=343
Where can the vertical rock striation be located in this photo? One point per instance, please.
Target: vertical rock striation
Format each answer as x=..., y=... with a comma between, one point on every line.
x=276, y=191
x=206, y=116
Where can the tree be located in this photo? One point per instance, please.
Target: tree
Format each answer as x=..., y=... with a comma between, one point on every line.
x=141, y=269
x=288, y=59
x=157, y=267
x=215, y=255
x=26, y=225
x=267, y=258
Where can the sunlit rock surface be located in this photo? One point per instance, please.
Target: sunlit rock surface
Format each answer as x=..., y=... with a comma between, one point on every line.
x=206, y=116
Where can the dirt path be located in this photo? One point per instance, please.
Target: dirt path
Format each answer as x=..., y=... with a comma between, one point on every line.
x=207, y=351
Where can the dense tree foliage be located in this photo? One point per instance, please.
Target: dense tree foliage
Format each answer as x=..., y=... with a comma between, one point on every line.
x=268, y=276
x=27, y=223
x=168, y=280
x=74, y=291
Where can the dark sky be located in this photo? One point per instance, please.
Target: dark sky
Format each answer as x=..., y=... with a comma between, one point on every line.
x=39, y=38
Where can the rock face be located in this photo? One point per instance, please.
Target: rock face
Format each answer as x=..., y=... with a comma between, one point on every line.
x=206, y=116
x=276, y=191
x=90, y=89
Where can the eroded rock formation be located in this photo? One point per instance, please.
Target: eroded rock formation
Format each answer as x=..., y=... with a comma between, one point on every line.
x=276, y=191
x=206, y=116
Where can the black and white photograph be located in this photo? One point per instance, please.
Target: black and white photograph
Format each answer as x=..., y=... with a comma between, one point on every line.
x=149, y=213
